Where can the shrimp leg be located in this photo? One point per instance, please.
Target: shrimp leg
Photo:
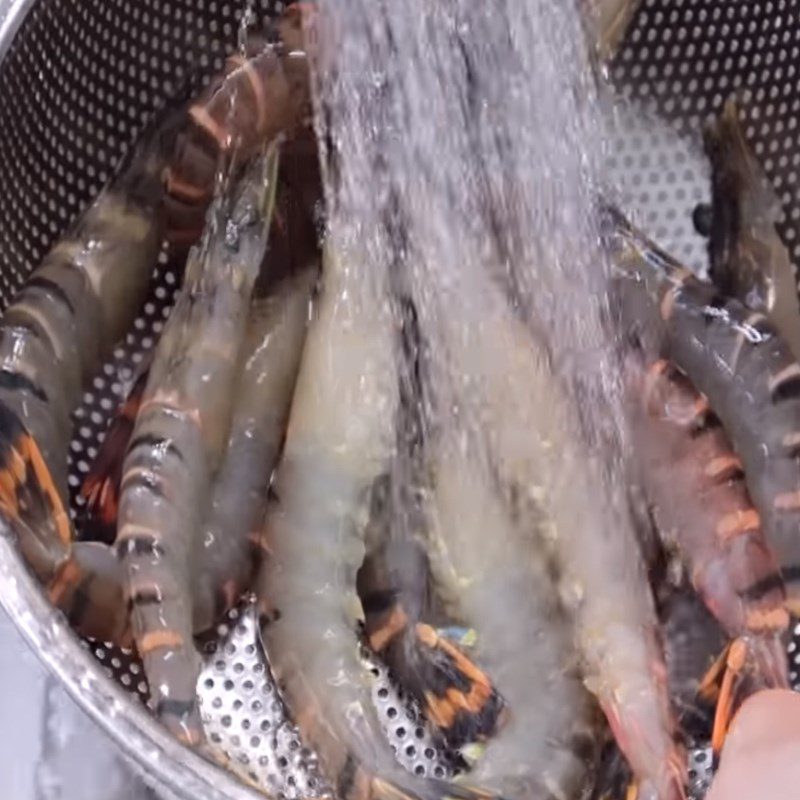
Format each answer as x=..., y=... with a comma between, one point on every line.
x=53, y=338
x=179, y=439
x=100, y=487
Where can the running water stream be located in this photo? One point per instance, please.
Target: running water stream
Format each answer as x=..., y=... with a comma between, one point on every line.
x=465, y=141
x=468, y=136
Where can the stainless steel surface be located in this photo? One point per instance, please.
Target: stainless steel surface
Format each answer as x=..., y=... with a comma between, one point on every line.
x=680, y=61
x=78, y=81
x=150, y=748
x=12, y=12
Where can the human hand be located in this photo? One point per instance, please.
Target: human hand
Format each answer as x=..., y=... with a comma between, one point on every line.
x=761, y=756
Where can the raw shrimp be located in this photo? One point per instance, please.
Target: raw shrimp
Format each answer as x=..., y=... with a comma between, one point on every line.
x=547, y=745
x=340, y=438
x=745, y=369
x=702, y=507
x=532, y=430
x=703, y=510
x=293, y=247
x=82, y=300
x=395, y=583
x=272, y=349
x=53, y=338
x=273, y=343
x=264, y=93
x=748, y=260
x=179, y=439
x=290, y=263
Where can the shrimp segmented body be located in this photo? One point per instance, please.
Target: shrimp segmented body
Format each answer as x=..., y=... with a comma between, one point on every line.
x=747, y=372
x=53, y=338
x=271, y=356
x=179, y=439
x=702, y=508
x=531, y=433
x=80, y=301
x=686, y=455
x=263, y=93
x=546, y=746
x=339, y=440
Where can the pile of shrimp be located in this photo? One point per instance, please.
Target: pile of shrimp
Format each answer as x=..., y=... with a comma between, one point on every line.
x=281, y=439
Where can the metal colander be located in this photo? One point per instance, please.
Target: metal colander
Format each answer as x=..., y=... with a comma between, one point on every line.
x=78, y=81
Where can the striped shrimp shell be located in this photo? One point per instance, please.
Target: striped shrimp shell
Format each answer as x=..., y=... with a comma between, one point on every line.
x=745, y=369
x=271, y=356
x=179, y=440
x=530, y=428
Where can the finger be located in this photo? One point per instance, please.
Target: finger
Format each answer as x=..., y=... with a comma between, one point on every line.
x=760, y=757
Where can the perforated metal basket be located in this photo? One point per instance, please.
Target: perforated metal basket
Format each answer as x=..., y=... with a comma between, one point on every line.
x=79, y=78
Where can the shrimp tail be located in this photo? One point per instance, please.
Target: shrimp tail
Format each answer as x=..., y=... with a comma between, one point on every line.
x=82, y=580
x=460, y=698
x=101, y=486
x=30, y=502
x=457, y=698
x=345, y=764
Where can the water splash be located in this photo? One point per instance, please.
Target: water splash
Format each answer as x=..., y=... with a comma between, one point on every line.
x=464, y=143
